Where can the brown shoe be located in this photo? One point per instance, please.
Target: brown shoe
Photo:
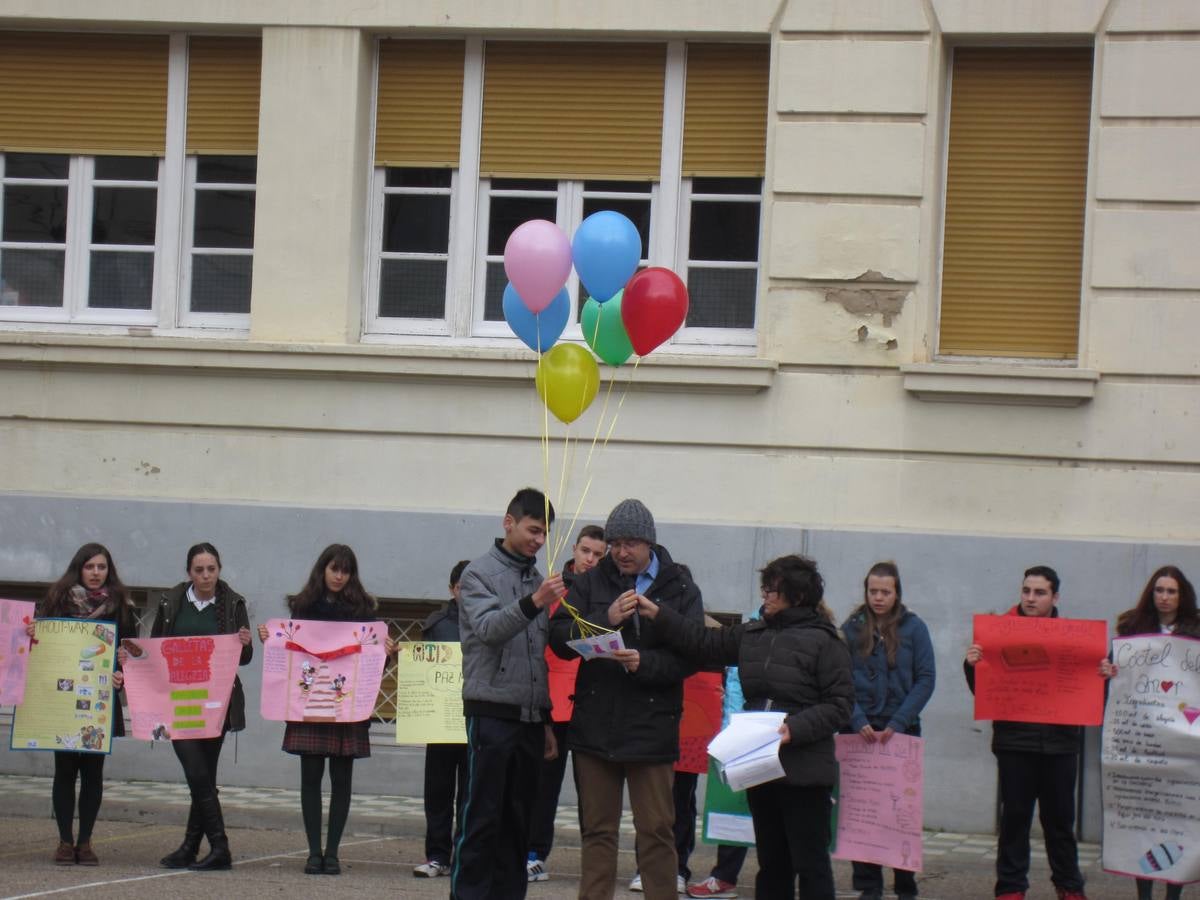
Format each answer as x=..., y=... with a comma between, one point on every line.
x=64, y=855
x=85, y=855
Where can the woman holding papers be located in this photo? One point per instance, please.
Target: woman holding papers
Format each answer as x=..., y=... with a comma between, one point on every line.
x=791, y=661
x=89, y=589
x=333, y=593
x=893, y=680
x=204, y=605
x=1167, y=606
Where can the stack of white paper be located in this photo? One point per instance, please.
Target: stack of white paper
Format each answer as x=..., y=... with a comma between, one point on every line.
x=747, y=750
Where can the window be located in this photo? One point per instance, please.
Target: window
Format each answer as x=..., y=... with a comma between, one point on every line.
x=559, y=131
x=1016, y=176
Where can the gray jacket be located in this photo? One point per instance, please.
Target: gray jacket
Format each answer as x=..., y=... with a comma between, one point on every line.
x=503, y=639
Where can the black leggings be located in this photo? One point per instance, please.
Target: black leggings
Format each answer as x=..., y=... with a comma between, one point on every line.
x=341, y=773
x=89, y=769
x=199, y=759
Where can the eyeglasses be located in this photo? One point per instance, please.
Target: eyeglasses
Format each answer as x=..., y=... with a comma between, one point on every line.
x=765, y=591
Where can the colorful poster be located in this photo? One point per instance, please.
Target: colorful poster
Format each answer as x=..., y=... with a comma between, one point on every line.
x=179, y=687
x=322, y=671
x=1040, y=670
x=68, y=691
x=14, y=649
x=881, y=798
x=702, y=698
x=1150, y=759
x=599, y=646
x=726, y=813
x=429, y=707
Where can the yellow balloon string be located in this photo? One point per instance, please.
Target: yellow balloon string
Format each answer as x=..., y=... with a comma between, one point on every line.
x=545, y=442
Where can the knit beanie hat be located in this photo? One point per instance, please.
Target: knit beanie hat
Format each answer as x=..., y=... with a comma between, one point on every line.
x=630, y=519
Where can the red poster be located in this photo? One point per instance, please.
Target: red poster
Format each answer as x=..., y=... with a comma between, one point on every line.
x=1040, y=670
x=702, y=699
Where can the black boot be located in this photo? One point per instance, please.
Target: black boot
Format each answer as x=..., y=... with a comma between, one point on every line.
x=218, y=845
x=186, y=854
x=1174, y=891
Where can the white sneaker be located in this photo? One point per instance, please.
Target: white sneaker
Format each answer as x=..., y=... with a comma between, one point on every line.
x=680, y=884
x=536, y=870
x=431, y=869
x=636, y=884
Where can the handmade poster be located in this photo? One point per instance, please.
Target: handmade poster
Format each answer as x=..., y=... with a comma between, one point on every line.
x=429, y=708
x=1150, y=759
x=880, y=809
x=178, y=688
x=14, y=649
x=1040, y=670
x=702, y=698
x=726, y=813
x=322, y=671
x=68, y=689
x=596, y=647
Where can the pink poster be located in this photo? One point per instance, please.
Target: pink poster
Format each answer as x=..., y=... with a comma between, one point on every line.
x=178, y=687
x=322, y=671
x=14, y=650
x=880, y=804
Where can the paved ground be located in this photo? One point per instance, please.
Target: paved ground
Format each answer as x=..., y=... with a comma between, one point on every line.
x=140, y=821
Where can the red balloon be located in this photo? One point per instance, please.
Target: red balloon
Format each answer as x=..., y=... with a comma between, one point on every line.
x=654, y=306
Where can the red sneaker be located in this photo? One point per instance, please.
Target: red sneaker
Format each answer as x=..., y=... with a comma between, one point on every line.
x=712, y=887
x=1071, y=895
x=1012, y=895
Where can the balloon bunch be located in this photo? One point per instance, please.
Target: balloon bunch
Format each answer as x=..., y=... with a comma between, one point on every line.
x=627, y=311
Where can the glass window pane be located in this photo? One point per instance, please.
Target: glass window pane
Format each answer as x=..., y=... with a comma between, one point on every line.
x=637, y=211
x=416, y=223
x=126, y=168
x=221, y=284
x=36, y=165
x=493, y=292
x=31, y=277
x=124, y=215
x=35, y=213
x=418, y=178
x=509, y=212
x=226, y=169
x=412, y=288
x=120, y=280
x=224, y=219
x=724, y=231
x=721, y=298
x=726, y=185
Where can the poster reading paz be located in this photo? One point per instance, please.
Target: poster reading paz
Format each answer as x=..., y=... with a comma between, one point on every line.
x=429, y=706
x=1150, y=766
x=178, y=688
x=322, y=671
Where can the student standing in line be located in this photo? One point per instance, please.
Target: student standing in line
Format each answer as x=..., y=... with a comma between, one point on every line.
x=894, y=673
x=445, y=764
x=1167, y=606
x=333, y=593
x=89, y=589
x=205, y=605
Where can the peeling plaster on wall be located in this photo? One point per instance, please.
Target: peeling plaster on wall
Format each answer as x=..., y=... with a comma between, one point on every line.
x=886, y=338
x=861, y=300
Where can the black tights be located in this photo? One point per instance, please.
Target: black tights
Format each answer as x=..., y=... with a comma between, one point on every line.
x=199, y=758
x=89, y=769
x=341, y=773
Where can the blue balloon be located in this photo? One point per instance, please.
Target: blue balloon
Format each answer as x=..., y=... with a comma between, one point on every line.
x=606, y=251
x=540, y=331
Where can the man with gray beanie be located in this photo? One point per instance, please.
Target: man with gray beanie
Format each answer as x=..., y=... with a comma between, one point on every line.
x=625, y=727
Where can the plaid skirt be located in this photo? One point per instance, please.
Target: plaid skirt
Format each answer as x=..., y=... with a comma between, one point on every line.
x=320, y=739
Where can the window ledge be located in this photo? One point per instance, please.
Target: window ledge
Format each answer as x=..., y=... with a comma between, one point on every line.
x=1013, y=385
x=712, y=374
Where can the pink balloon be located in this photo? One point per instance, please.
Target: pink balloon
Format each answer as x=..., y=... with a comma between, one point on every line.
x=537, y=260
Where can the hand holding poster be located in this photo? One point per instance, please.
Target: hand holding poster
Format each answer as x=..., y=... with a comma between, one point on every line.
x=429, y=707
x=317, y=671
x=1150, y=769
x=881, y=794
x=179, y=687
x=68, y=691
x=14, y=649
x=1040, y=670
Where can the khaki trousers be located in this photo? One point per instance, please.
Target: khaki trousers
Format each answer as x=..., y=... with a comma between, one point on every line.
x=600, y=786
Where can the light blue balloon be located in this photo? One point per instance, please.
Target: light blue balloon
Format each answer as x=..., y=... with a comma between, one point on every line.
x=606, y=251
x=540, y=331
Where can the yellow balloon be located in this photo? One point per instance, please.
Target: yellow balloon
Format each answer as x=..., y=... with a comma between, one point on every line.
x=567, y=381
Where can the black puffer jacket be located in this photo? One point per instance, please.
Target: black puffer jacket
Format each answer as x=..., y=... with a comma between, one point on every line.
x=1029, y=737
x=619, y=716
x=793, y=662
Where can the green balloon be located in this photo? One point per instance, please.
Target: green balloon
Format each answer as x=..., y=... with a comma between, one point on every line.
x=604, y=331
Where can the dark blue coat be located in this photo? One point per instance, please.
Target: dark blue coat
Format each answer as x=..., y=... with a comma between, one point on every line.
x=893, y=696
